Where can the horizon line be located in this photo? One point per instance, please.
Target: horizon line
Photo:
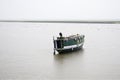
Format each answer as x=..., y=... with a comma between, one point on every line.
x=63, y=21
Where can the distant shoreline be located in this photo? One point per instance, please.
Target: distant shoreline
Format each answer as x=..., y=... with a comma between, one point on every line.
x=30, y=21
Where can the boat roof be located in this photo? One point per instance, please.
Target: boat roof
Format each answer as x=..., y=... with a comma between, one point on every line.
x=69, y=37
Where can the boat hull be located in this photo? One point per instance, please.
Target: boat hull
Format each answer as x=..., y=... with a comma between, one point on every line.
x=70, y=49
x=68, y=44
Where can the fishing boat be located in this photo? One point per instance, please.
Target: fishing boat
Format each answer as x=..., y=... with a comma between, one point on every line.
x=68, y=44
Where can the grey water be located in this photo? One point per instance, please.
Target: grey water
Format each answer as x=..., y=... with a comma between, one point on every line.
x=26, y=52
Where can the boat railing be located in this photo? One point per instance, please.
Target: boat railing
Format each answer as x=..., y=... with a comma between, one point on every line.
x=68, y=38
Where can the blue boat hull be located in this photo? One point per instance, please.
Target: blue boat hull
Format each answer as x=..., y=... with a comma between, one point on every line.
x=70, y=49
x=68, y=44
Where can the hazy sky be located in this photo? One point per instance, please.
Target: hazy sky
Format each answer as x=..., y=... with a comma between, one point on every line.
x=59, y=9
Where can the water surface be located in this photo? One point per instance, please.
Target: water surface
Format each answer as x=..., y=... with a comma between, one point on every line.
x=26, y=52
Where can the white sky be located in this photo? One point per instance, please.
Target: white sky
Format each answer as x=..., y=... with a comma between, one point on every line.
x=59, y=9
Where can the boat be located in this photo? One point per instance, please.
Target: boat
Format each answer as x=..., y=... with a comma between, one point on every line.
x=68, y=44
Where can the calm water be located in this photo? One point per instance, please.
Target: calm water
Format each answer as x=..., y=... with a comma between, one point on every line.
x=26, y=52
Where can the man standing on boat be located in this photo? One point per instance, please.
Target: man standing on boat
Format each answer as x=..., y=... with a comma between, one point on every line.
x=60, y=35
x=61, y=40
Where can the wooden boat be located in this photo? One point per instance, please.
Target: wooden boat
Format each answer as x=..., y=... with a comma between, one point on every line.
x=68, y=44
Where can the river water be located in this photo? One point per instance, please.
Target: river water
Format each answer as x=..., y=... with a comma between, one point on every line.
x=26, y=52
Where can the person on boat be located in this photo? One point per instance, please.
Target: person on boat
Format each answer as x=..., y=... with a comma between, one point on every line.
x=61, y=40
x=60, y=35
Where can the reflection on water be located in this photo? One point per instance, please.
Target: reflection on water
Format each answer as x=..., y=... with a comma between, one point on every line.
x=26, y=52
x=67, y=63
x=68, y=56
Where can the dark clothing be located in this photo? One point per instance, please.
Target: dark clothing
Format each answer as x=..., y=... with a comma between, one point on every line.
x=60, y=34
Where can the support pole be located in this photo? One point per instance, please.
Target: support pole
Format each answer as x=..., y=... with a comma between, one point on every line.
x=54, y=45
